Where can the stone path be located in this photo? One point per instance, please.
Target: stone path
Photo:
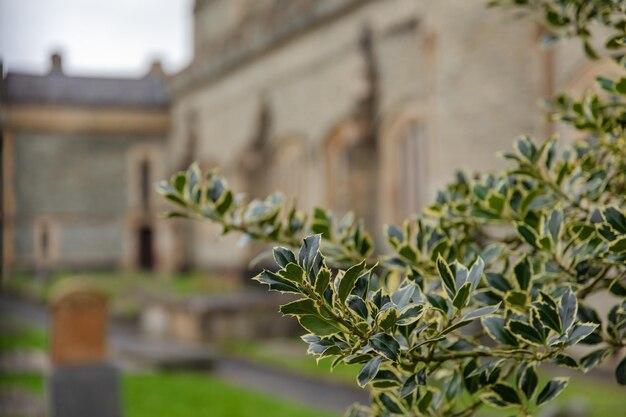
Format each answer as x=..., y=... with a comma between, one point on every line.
x=19, y=402
x=310, y=391
x=24, y=361
x=132, y=352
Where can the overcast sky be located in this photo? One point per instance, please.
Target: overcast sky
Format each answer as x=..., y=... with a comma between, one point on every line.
x=107, y=37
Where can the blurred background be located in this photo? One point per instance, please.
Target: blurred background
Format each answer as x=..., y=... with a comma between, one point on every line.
x=345, y=104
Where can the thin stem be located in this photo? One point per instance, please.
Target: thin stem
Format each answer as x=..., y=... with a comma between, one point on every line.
x=519, y=353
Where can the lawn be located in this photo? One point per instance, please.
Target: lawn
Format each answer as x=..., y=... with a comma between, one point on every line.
x=118, y=283
x=126, y=291
x=157, y=394
x=181, y=395
x=185, y=395
x=601, y=398
x=16, y=335
x=28, y=382
x=290, y=355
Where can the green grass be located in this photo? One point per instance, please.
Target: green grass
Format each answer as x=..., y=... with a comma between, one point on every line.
x=16, y=335
x=597, y=397
x=290, y=355
x=33, y=383
x=184, y=395
x=195, y=395
x=116, y=283
x=603, y=398
x=126, y=291
x=159, y=394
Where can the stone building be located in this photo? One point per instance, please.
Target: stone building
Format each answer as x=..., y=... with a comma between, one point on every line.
x=363, y=104
x=369, y=105
x=79, y=156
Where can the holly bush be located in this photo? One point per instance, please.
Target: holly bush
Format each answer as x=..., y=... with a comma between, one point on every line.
x=484, y=287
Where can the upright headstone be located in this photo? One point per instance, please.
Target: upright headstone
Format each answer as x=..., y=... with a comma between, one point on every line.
x=79, y=319
x=81, y=382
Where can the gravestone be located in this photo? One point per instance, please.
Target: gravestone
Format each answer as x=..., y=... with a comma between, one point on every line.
x=155, y=321
x=81, y=382
x=79, y=319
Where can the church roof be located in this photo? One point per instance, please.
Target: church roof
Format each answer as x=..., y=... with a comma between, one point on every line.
x=56, y=88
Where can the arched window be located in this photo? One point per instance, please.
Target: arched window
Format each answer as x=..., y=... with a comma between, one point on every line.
x=338, y=166
x=404, y=170
x=410, y=178
x=289, y=170
x=584, y=78
x=144, y=186
x=46, y=241
x=191, y=139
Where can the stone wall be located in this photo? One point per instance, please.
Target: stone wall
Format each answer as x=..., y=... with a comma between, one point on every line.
x=466, y=78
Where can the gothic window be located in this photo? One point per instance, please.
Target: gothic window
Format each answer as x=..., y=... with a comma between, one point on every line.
x=191, y=140
x=144, y=175
x=289, y=171
x=144, y=166
x=338, y=167
x=404, y=168
x=45, y=239
x=409, y=170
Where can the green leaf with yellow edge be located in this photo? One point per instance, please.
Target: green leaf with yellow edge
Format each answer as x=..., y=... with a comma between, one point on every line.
x=551, y=390
x=385, y=345
x=319, y=326
x=276, y=282
x=348, y=280
x=299, y=308
x=462, y=296
x=369, y=371
x=322, y=281
x=293, y=272
x=529, y=234
x=525, y=332
x=528, y=382
x=496, y=329
x=446, y=276
x=410, y=314
x=387, y=318
x=283, y=256
x=506, y=392
x=523, y=273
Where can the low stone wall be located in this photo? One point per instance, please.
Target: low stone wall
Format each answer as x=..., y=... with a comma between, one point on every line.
x=218, y=318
